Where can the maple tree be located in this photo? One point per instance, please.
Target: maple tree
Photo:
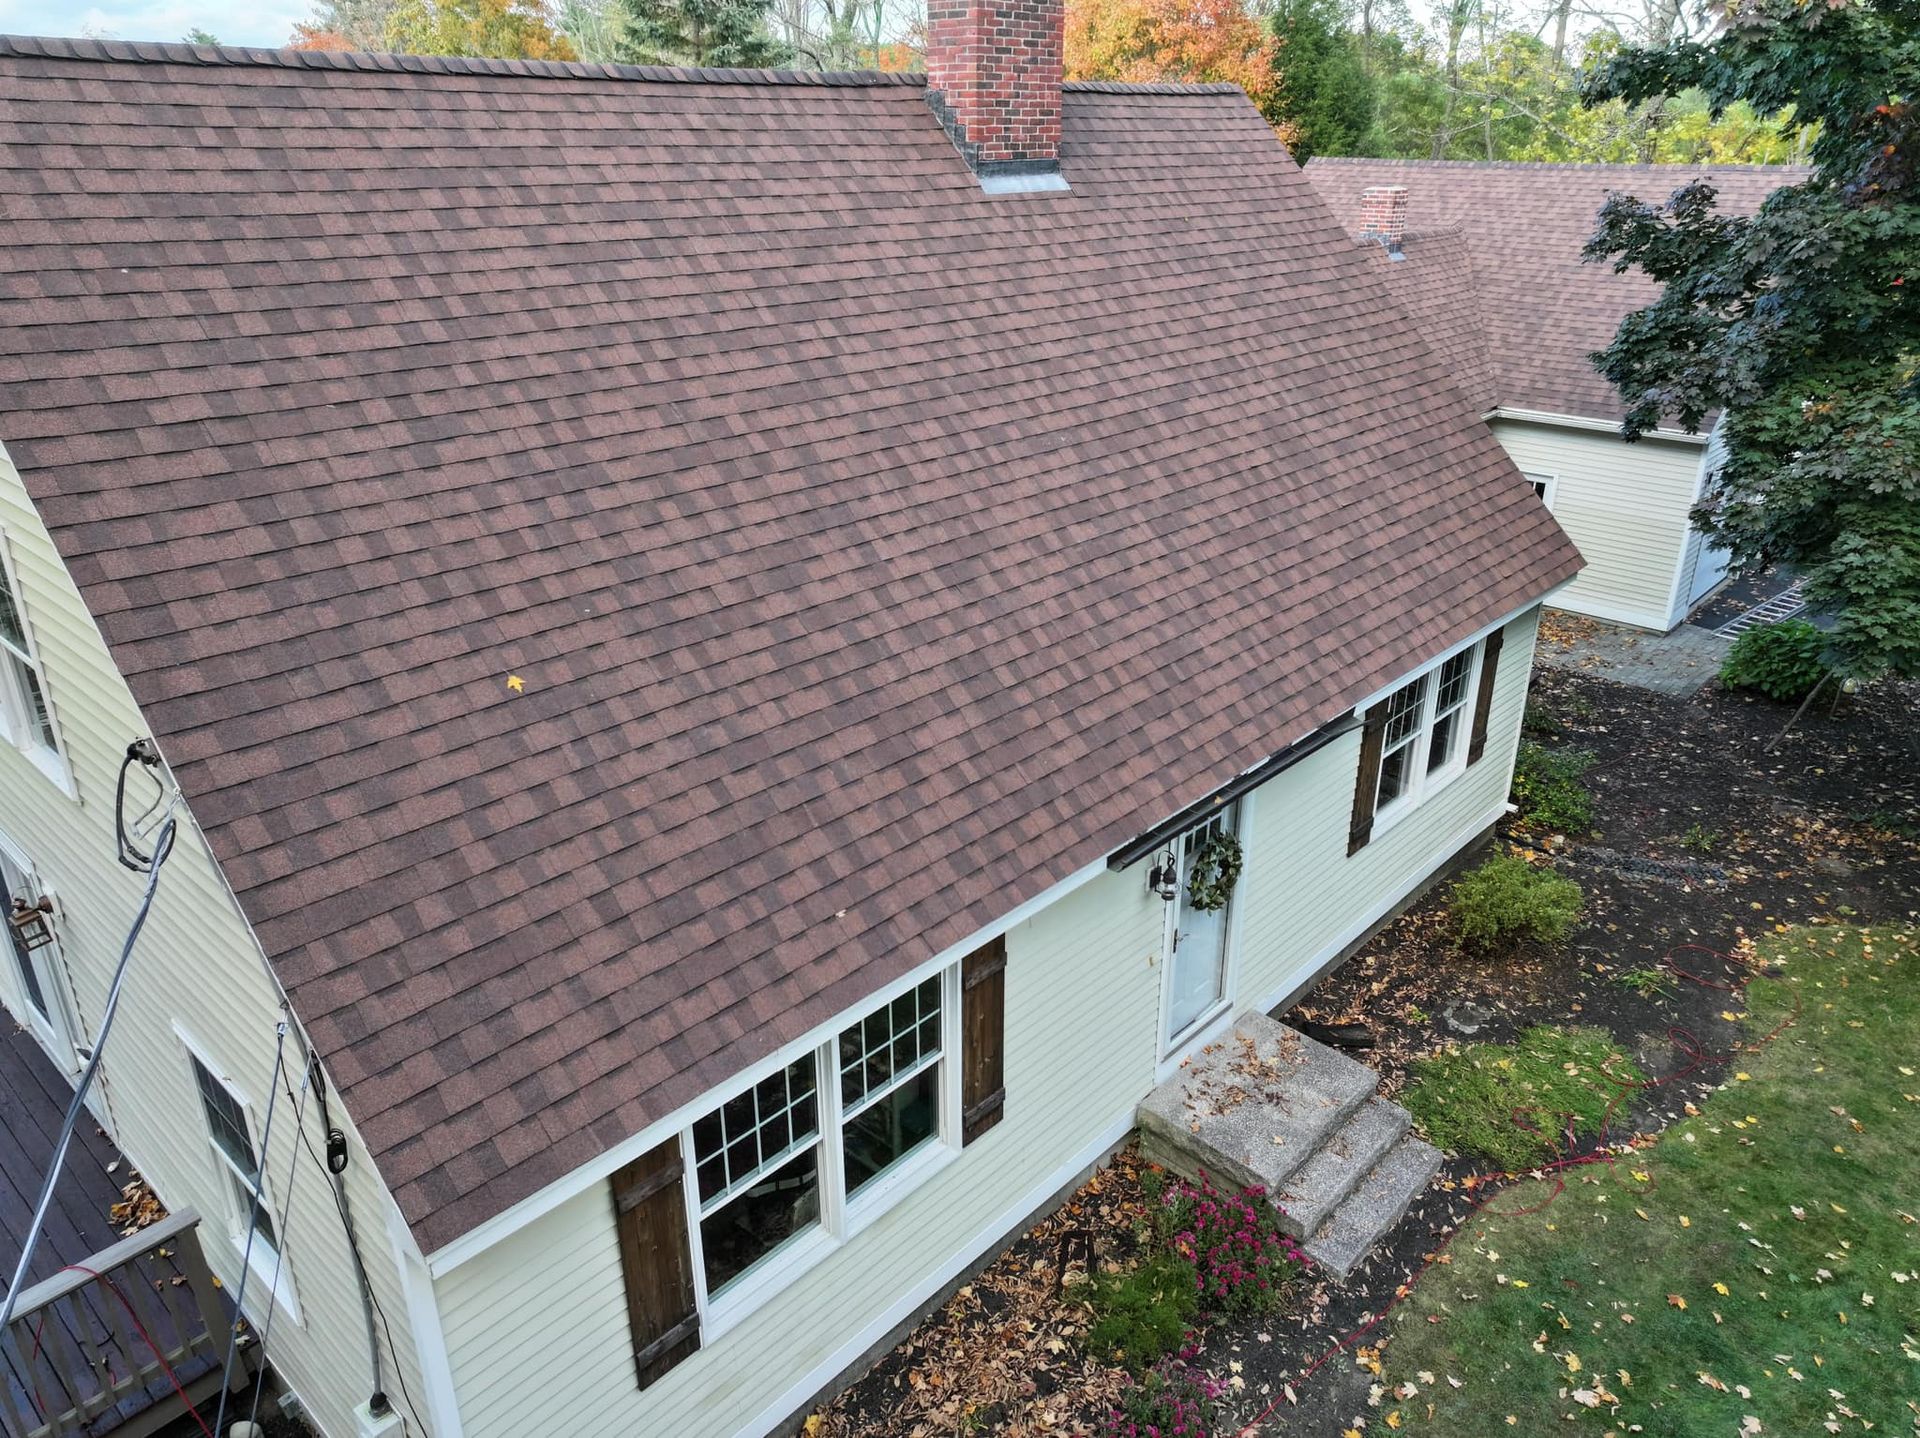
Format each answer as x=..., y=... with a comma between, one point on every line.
x=1184, y=41
x=495, y=29
x=1796, y=323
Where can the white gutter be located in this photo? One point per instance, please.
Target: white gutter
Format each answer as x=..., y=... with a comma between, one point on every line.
x=1575, y=421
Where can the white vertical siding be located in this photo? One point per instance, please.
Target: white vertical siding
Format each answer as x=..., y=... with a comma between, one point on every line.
x=1625, y=507
x=536, y=1326
x=197, y=965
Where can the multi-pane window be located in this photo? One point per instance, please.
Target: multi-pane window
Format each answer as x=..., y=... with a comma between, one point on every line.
x=233, y=1145
x=890, y=1083
x=757, y=1163
x=782, y=1159
x=1400, y=740
x=1424, y=733
x=1449, y=710
x=23, y=696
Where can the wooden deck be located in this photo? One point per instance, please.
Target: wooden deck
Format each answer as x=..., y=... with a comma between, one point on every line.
x=89, y=1338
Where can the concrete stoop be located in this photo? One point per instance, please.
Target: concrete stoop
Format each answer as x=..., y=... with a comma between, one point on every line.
x=1268, y=1107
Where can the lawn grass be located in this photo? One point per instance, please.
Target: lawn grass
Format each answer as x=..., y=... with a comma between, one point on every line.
x=1756, y=1271
x=1511, y=1104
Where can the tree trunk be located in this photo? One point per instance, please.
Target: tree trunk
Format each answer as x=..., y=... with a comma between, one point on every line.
x=1560, y=16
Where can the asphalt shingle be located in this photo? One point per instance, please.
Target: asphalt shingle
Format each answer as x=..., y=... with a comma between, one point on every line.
x=873, y=552
x=1542, y=311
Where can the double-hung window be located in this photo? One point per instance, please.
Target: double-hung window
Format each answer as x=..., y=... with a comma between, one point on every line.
x=25, y=716
x=790, y=1158
x=237, y=1157
x=1424, y=737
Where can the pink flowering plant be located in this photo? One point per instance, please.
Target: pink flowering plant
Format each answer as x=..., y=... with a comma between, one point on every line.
x=1209, y=1255
x=1242, y=1262
x=1173, y=1399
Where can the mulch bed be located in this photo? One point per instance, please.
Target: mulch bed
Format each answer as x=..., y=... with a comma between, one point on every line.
x=1702, y=838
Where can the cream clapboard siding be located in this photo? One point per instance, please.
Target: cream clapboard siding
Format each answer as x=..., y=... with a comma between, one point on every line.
x=1305, y=898
x=198, y=965
x=536, y=1326
x=1624, y=505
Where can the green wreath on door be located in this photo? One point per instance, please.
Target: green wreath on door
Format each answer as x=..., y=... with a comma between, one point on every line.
x=1216, y=868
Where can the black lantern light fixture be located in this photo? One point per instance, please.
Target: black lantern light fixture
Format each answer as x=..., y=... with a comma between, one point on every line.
x=1164, y=878
x=29, y=923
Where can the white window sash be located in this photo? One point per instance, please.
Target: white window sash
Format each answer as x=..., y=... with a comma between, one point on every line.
x=842, y=1216
x=1418, y=782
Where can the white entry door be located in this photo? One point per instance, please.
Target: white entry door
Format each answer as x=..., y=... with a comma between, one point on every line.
x=36, y=969
x=1197, y=964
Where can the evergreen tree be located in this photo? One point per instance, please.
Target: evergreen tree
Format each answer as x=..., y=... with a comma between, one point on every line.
x=723, y=33
x=1325, y=89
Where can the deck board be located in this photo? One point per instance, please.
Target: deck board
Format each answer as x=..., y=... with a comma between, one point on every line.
x=34, y=1096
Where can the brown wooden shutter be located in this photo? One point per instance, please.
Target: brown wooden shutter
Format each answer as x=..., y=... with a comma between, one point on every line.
x=1366, y=787
x=650, y=1212
x=983, y=1031
x=1483, y=702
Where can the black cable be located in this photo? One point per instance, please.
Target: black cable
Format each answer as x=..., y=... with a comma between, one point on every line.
x=353, y=1243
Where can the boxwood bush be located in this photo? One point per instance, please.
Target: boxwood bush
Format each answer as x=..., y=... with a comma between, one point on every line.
x=1505, y=900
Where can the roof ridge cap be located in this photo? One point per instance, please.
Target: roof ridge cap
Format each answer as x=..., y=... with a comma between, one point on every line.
x=153, y=52
x=1722, y=166
x=1152, y=87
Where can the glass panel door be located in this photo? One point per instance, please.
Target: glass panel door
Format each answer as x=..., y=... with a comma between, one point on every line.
x=1197, y=968
x=35, y=968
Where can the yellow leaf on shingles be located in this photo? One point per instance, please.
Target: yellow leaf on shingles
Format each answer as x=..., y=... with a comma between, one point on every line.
x=516, y=683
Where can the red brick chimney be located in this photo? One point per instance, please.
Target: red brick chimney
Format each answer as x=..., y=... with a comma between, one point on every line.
x=1383, y=215
x=993, y=78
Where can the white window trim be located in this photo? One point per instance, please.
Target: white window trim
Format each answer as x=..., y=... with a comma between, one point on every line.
x=842, y=1218
x=16, y=723
x=1422, y=785
x=1549, y=486
x=261, y=1261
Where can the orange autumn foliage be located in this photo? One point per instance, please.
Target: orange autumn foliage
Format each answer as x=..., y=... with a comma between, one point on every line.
x=1186, y=41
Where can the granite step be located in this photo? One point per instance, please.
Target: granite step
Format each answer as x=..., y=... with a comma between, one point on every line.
x=1254, y=1107
x=1379, y=1202
x=1319, y=1186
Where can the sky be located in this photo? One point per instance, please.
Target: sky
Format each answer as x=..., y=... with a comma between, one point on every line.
x=233, y=22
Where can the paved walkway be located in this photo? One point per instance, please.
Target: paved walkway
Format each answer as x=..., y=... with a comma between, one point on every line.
x=1677, y=664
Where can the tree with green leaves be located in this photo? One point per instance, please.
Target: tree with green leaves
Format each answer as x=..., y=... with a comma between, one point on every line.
x=1799, y=323
x=723, y=33
x=1325, y=88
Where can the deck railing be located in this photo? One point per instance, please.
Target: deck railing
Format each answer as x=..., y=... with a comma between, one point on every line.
x=120, y=1343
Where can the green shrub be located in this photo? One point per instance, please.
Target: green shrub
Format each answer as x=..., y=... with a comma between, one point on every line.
x=1700, y=839
x=1516, y=1103
x=1781, y=661
x=1506, y=900
x=1547, y=787
x=1141, y=1314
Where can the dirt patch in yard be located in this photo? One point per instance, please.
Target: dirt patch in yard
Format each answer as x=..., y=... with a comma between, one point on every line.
x=1701, y=839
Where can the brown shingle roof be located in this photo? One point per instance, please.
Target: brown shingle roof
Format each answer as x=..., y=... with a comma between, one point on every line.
x=1432, y=277
x=1544, y=311
x=874, y=553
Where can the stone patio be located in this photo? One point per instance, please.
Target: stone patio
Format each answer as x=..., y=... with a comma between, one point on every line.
x=1268, y=1107
x=1676, y=664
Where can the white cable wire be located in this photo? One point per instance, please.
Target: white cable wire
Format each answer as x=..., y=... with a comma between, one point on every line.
x=253, y=1229
x=162, y=847
x=286, y=1213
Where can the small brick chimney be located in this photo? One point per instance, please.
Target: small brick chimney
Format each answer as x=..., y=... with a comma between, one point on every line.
x=1383, y=215
x=993, y=78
